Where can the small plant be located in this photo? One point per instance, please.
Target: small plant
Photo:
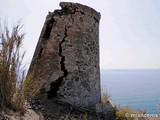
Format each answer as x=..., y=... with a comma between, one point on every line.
x=30, y=87
x=105, y=98
x=11, y=70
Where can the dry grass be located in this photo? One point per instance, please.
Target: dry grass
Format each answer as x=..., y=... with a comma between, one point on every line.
x=126, y=113
x=105, y=98
x=30, y=87
x=11, y=69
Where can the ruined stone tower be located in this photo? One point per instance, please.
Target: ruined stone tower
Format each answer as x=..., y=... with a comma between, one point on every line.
x=66, y=60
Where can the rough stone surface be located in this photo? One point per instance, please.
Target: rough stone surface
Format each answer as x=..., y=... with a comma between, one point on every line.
x=106, y=111
x=65, y=64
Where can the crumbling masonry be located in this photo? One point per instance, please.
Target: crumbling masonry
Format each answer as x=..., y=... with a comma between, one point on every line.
x=65, y=64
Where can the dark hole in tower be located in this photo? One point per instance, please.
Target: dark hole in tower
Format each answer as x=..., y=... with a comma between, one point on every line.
x=54, y=87
x=40, y=53
x=48, y=28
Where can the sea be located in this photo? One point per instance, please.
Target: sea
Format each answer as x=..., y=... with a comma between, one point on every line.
x=138, y=89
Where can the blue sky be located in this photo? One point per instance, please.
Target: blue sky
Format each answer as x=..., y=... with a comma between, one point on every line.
x=129, y=29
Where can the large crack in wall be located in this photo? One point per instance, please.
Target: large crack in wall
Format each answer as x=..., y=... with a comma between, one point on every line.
x=57, y=83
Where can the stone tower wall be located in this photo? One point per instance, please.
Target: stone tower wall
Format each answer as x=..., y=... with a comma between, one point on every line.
x=66, y=60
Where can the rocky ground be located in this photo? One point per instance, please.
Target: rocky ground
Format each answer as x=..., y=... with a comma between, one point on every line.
x=29, y=115
x=41, y=108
